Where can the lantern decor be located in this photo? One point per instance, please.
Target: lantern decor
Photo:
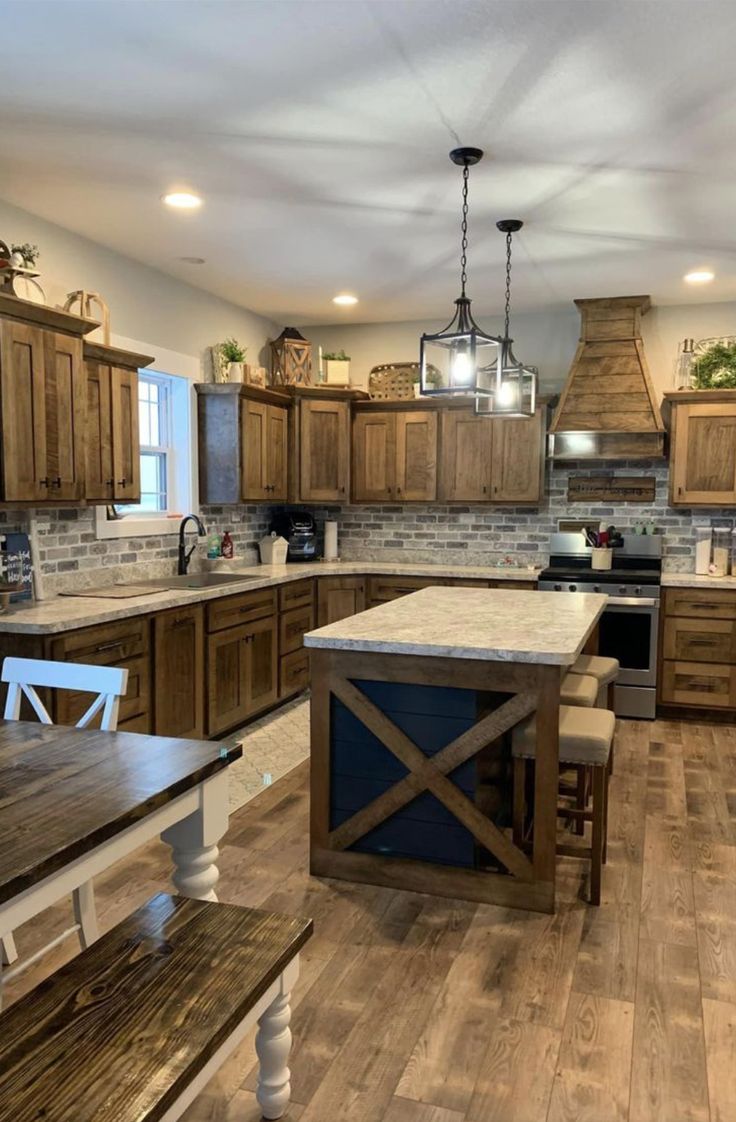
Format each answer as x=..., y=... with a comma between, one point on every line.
x=291, y=359
x=510, y=387
x=454, y=355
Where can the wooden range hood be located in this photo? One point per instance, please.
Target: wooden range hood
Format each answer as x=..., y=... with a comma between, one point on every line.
x=608, y=410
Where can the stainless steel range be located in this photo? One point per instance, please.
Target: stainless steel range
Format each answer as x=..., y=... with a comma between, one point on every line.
x=630, y=624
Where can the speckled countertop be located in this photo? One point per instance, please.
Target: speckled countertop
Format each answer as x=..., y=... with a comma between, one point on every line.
x=693, y=580
x=497, y=625
x=64, y=613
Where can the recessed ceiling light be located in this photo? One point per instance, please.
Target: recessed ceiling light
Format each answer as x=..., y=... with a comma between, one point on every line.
x=345, y=299
x=192, y=260
x=699, y=276
x=182, y=200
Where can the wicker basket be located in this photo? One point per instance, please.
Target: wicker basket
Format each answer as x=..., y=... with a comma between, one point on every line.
x=394, y=381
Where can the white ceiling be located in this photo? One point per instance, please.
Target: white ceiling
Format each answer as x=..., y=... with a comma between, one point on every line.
x=318, y=132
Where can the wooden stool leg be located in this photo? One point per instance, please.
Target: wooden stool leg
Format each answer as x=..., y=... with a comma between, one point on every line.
x=596, y=855
x=611, y=698
x=519, y=804
x=581, y=797
x=605, y=815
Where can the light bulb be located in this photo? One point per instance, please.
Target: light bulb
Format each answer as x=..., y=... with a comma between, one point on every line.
x=508, y=395
x=461, y=368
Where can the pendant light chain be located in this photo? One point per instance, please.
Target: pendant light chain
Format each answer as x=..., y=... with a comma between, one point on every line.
x=464, y=228
x=508, y=284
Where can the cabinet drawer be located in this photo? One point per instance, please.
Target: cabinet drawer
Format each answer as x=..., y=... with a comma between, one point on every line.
x=524, y=585
x=293, y=673
x=293, y=626
x=468, y=583
x=700, y=602
x=391, y=588
x=234, y=610
x=700, y=640
x=297, y=594
x=69, y=705
x=711, y=685
x=110, y=644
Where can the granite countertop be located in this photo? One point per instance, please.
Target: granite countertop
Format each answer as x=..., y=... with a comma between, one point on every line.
x=496, y=625
x=694, y=580
x=64, y=613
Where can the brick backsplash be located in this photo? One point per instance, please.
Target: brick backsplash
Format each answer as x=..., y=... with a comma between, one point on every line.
x=71, y=555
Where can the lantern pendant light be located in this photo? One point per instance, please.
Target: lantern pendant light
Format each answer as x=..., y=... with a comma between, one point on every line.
x=514, y=385
x=451, y=358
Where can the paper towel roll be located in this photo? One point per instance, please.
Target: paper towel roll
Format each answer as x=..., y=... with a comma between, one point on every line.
x=331, y=541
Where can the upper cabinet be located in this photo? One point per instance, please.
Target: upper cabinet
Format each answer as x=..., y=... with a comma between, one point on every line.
x=112, y=429
x=243, y=444
x=517, y=459
x=465, y=471
x=43, y=403
x=703, y=447
x=264, y=440
x=394, y=454
x=324, y=455
x=485, y=459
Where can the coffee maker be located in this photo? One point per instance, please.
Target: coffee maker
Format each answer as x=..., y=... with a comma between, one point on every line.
x=299, y=530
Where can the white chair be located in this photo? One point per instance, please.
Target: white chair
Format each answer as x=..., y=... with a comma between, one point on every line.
x=109, y=683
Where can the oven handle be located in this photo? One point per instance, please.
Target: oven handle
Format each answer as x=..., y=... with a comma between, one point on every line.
x=631, y=602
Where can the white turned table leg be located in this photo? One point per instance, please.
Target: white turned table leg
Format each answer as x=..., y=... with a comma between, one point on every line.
x=273, y=1044
x=194, y=841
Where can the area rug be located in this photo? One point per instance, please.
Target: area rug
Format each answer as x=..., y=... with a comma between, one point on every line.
x=272, y=746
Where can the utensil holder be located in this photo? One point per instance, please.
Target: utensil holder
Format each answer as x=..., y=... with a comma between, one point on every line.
x=601, y=557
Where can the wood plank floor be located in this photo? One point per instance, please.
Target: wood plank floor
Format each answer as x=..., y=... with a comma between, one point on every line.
x=416, y=1009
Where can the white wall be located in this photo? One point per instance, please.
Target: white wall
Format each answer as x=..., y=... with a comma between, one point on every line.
x=546, y=339
x=144, y=304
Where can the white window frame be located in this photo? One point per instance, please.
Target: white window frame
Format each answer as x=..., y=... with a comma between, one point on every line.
x=182, y=481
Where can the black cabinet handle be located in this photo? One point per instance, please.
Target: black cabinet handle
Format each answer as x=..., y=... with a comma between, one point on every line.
x=122, y=482
x=43, y=482
x=109, y=482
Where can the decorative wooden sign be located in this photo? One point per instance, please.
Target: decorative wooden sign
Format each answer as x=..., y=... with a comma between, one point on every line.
x=611, y=489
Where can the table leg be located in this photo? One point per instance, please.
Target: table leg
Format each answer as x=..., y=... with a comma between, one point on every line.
x=194, y=841
x=273, y=1044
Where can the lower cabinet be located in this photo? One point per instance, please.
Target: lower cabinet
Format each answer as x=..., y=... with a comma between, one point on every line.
x=178, y=656
x=699, y=649
x=338, y=597
x=242, y=673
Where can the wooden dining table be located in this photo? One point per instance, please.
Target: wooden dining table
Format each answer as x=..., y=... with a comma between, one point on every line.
x=74, y=801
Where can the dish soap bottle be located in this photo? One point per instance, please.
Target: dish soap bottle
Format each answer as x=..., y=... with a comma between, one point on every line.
x=227, y=547
x=213, y=547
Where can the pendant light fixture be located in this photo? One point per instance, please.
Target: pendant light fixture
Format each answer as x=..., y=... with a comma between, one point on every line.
x=510, y=386
x=451, y=358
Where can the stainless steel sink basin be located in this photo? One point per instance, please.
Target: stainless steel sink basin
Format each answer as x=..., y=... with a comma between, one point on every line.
x=197, y=580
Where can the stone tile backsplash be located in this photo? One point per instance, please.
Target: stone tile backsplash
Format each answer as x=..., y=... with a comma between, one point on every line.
x=72, y=556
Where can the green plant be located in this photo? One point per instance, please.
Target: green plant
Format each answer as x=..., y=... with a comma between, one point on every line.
x=715, y=369
x=232, y=351
x=434, y=378
x=28, y=252
x=336, y=356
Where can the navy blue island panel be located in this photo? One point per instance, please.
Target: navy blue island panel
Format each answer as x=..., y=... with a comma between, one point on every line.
x=362, y=768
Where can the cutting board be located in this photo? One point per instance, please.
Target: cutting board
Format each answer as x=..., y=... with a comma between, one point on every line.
x=115, y=591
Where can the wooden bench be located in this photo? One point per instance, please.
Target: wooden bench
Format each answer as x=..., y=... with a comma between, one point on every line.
x=135, y=1027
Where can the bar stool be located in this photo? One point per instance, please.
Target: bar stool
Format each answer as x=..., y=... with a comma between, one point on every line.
x=586, y=737
x=579, y=689
x=605, y=671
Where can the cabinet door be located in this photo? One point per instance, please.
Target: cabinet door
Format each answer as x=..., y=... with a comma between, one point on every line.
x=227, y=679
x=277, y=451
x=64, y=414
x=374, y=457
x=23, y=413
x=126, y=448
x=517, y=459
x=324, y=469
x=98, y=439
x=465, y=473
x=416, y=456
x=338, y=597
x=254, y=434
x=178, y=660
x=262, y=665
x=123, y=643
x=703, y=458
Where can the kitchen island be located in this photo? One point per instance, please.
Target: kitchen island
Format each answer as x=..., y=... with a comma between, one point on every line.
x=412, y=704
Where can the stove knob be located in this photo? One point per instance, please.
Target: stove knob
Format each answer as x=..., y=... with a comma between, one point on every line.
x=558, y=588
x=596, y=588
x=637, y=592
x=572, y=588
x=622, y=590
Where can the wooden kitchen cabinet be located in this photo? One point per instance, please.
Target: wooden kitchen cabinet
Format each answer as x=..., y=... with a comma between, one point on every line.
x=43, y=401
x=394, y=455
x=242, y=673
x=698, y=665
x=178, y=658
x=487, y=459
x=517, y=459
x=324, y=450
x=264, y=439
x=465, y=464
x=112, y=429
x=702, y=447
x=338, y=597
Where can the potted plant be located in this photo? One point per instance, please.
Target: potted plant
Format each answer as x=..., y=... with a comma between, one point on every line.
x=433, y=377
x=715, y=368
x=24, y=255
x=336, y=366
x=233, y=357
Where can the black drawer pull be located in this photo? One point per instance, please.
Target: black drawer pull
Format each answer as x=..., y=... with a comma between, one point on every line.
x=109, y=647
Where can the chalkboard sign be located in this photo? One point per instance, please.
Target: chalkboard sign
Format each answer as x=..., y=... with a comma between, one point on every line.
x=15, y=560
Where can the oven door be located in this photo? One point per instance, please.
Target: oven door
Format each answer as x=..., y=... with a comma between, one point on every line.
x=629, y=630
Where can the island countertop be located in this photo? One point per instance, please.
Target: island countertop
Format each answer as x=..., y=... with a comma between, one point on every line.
x=496, y=625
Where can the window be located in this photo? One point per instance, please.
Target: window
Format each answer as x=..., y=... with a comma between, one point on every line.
x=157, y=453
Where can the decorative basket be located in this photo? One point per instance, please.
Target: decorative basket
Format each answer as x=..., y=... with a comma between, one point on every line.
x=394, y=381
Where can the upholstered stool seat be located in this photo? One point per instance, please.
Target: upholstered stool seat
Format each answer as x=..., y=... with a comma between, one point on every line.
x=578, y=689
x=604, y=670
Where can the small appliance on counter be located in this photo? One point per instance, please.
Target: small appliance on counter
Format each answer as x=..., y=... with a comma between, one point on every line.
x=299, y=530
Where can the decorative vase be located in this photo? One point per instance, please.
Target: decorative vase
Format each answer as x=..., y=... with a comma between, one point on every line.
x=17, y=261
x=235, y=372
x=337, y=371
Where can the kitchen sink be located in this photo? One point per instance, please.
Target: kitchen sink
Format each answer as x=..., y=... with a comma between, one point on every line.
x=197, y=580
